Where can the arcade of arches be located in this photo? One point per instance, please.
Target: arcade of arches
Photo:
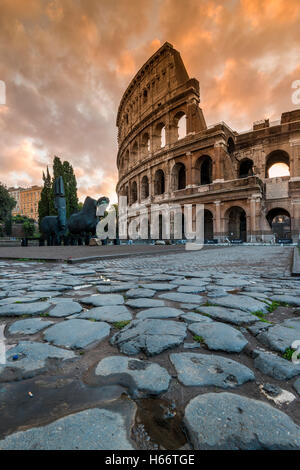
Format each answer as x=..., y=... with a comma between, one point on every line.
x=249, y=183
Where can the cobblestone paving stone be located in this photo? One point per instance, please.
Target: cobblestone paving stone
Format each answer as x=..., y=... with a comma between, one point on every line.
x=238, y=307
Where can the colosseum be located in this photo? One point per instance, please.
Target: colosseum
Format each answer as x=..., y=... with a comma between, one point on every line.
x=167, y=154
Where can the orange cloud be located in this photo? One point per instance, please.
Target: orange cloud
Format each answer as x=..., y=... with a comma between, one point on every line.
x=66, y=65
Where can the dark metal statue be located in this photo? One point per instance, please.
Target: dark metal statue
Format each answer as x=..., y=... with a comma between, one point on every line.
x=83, y=224
x=54, y=227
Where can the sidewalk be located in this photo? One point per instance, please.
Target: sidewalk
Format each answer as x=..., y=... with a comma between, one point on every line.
x=84, y=253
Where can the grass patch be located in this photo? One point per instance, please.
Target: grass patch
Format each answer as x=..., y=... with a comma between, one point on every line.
x=44, y=315
x=271, y=307
x=120, y=324
x=92, y=319
x=198, y=339
x=288, y=353
x=204, y=314
x=209, y=304
x=260, y=315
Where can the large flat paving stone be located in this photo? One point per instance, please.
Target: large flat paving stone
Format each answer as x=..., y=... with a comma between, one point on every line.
x=219, y=337
x=287, y=299
x=16, y=310
x=92, y=429
x=192, y=317
x=149, y=378
x=195, y=369
x=181, y=297
x=77, y=333
x=111, y=314
x=144, y=303
x=103, y=299
x=151, y=336
x=191, y=289
x=33, y=358
x=228, y=315
x=275, y=366
x=278, y=337
x=226, y=421
x=160, y=286
x=159, y=312
x=296, y=386
x=29, y=326
x=140, y=293
x=64, y=309
x=241, y=302
x=116, y=287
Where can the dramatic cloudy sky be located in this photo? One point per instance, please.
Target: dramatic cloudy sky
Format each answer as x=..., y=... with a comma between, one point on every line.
x=66, y=63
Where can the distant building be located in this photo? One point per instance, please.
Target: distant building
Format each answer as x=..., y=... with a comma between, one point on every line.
x=27, y=201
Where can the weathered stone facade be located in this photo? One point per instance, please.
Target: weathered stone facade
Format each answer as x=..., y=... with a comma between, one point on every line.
x=225, y=170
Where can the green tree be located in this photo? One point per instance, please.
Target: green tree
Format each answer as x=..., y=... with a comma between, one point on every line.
x=7, y=203
x=65, y=170
x=46, y=204
x=46, y=195
x=29, y=228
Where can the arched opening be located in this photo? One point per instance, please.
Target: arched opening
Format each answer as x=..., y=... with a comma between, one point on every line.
x=144, y=187
x=204, y=170
x=178, y=176
x=133, y=196
x=180, y=123
x=159, y=182
x=230, y=145
x=277, y=164
x=208, y=225
x=246, y=168
x=134, y=152
x=126, y=161
x=145, y=96
x=146, y=143
x=160, y=136
x=237, y=224
x=280, y=222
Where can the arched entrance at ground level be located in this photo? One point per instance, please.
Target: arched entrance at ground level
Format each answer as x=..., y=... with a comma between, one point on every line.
x=208, y=225
x=237, y=224
x=280, y=222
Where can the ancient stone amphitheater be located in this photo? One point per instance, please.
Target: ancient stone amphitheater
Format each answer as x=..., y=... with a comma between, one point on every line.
x=167, y=154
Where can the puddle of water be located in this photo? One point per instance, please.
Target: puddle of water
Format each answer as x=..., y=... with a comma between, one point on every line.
x=161, y=422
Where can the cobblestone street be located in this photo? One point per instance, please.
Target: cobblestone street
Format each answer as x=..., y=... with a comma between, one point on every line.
x=166, y=351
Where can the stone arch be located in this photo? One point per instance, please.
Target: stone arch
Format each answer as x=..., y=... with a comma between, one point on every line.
x=180, y=125
x=208, y=225
x=144, y=187
x=246, y=168
x=178, y=176
x=160, y=135
x=236, y=220
x=230, y=145
x=275, y=157
x=134, y=152
x=159, y=182
x=145, y=143
x=279, y=220
x=133, y=192
x=203, y=169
